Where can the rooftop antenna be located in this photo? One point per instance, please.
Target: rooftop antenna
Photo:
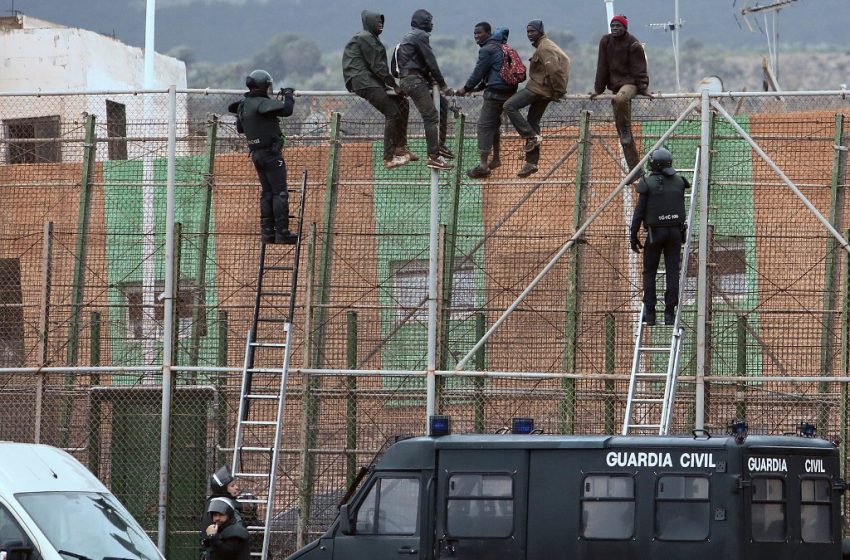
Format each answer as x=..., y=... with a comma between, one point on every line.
x=673, y=28
x=770, y=13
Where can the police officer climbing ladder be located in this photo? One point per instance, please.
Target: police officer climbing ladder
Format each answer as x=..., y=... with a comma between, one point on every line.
x=661, y=209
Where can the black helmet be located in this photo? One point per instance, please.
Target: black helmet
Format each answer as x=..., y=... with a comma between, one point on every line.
x=260, y=80
x=219, y=481
x=221, y=505
x=661, y=160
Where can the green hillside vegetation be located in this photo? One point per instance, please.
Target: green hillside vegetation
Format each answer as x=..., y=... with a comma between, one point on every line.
x=296, y=61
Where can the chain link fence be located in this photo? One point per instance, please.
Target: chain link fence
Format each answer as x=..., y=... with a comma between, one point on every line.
x=83, y=250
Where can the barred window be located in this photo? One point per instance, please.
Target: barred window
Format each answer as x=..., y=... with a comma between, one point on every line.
x=608, y=507
x=682, y=508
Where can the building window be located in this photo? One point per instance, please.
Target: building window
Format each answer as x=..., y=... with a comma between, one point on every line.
x=116, y=129
x=815, y=511
x=410, y=289
x=682, y=508
x=390, y=508
x=729, y=257
x=768, y=510
x=480, y=506
x=33, y=140
x=136, y=312
x=11, y=314
x=608, y=507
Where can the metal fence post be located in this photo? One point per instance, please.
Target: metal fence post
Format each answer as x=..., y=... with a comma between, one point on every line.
x=199, y=311
x=43, y=322
x=168, y=325
x=844, y=406
x=351, y=398
x=702, y=264
x=566, y=419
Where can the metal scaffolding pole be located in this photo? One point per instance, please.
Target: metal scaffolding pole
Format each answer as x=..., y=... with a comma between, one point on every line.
x=433, y=263
x=702, y=262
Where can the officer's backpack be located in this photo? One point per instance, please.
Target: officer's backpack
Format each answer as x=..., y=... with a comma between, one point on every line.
x=513, y=70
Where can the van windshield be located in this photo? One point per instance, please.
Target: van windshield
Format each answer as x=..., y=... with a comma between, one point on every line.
x=88, y=524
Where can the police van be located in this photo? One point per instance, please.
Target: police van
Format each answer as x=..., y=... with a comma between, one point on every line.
x=542, y=497
x=53, y=508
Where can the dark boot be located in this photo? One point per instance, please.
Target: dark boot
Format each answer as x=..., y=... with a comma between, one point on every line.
x=286, y=238
x=669, y=314
x=649, y=316
x=267, y=230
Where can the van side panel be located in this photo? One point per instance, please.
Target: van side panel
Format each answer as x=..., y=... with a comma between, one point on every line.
x=553, y=497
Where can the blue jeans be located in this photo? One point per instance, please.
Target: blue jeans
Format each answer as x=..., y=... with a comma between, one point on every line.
x=527, y=127
x=418, y=89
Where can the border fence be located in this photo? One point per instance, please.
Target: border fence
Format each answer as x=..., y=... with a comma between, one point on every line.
x=129, y=235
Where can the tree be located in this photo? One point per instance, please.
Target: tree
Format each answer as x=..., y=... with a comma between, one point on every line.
x=289, y=54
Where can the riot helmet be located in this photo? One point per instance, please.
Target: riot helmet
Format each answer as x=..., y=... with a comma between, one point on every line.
x=219, y=481
x=221, y=505
x=260, y=80
x=661, y=160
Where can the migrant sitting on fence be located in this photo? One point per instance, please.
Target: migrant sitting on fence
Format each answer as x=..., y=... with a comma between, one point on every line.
x=548, y=75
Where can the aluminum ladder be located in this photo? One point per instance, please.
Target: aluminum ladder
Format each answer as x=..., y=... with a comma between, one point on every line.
x=652, y=392
x=262, y=399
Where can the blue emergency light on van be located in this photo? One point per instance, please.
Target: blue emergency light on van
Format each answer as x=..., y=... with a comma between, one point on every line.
x=439, y=426
x=522, y=425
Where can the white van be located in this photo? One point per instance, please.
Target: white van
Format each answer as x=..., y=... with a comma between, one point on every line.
x=53, y=508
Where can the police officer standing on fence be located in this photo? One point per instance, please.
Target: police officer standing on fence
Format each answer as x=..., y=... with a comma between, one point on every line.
x=256, y=117
x=661, y=209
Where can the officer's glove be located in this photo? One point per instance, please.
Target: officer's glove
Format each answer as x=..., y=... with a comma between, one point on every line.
x=285, y=92
x=684, y=229
x=635, y=242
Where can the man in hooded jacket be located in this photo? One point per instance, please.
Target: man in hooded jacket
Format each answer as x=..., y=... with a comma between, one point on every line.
x=621, y=67
x=548, y=75
x=365, y=70
x=419, y=71
x=487, y=75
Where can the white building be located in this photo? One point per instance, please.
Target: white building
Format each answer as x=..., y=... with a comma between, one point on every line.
x=44, y=57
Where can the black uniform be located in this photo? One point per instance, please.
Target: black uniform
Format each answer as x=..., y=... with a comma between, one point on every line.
x=231, y=542
x=661, y=209
x=257, y=116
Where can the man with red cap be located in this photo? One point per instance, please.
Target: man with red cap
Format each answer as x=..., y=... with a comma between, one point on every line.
x=621, y=67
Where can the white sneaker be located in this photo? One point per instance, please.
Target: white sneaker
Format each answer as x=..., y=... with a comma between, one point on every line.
x=397, y=161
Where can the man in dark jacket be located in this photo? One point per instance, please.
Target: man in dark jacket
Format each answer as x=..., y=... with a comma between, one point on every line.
x=661, y=209
x=621, y=67
x=365, y=70
x=419, y=71
x=256, y=117
x=486, y=74
x=548, y=75
x=225, y=538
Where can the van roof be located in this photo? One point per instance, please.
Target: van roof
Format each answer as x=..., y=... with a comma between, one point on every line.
x=419, y=452
x=30, y=467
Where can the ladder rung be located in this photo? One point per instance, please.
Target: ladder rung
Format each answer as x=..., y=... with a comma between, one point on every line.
x=650, y=374
x=655, y=349
x=269, y=344
x=277, y=267
x=274, y=294
x=254, y=450
x=259, y=422
x=644, y=426
x=647, y=401
x=251, y=475
x=272, y=320
x=263, y=397
x=266, y=370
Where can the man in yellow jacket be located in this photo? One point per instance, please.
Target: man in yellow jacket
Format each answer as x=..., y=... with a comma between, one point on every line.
x=548, y=75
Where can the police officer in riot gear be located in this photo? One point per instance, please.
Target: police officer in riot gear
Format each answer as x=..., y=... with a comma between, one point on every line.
x=256, y=118
x=661, y=209
x=225, y=538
